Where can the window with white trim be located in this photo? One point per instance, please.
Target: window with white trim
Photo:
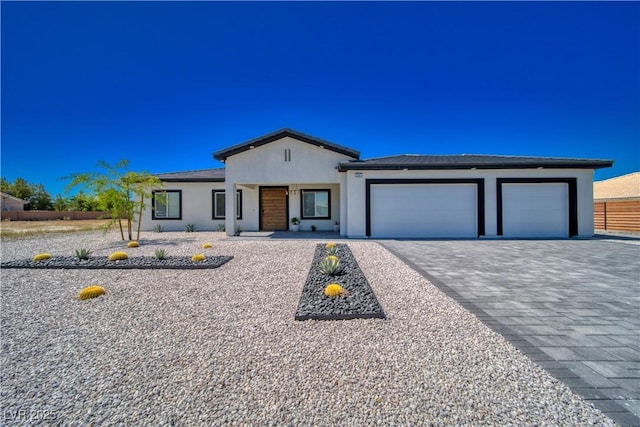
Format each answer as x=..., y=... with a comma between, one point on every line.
x=167, y=204
x=316, y=204
x=218, y=200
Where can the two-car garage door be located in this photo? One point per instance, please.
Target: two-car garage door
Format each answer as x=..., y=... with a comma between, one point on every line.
x=455, y=208
x=418, y=210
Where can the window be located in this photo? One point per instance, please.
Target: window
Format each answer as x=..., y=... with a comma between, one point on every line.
x=167, y=204
x=316, y=204
x=218, y=204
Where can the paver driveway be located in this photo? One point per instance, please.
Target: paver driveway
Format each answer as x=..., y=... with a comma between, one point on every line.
x=573, y=306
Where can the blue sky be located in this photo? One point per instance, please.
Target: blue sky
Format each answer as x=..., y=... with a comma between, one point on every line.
x=165, y=84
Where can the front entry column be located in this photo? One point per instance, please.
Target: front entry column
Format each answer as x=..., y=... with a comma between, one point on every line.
x=230, y=208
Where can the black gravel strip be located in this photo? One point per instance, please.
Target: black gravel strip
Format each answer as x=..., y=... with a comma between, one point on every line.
x=361, y=303
x=138, y=262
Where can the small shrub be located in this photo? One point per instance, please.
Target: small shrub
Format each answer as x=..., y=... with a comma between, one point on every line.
x=158, y=228
x=207, y=245
x=82, y=254
x=221, y=227
x=91, y=292
x=41, y=257
x=161, y=253
x=332, y=249
x=330, y=265
x=198, y=258
x=133, y=244
x=334, y=290
x=190, y=228
x=118, y=256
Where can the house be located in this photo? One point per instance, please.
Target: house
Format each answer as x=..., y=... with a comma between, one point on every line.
x=268, y=180
x=11, y=203
x=616, y=203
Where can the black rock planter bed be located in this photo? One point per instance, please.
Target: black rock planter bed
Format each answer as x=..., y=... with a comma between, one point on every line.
x=360, y=303
x=138, y=262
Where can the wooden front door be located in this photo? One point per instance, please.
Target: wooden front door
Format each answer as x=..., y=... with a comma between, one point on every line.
x=273, y=208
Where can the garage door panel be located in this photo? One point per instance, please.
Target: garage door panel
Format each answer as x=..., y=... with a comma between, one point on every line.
x=535, y=210
x=424, y=210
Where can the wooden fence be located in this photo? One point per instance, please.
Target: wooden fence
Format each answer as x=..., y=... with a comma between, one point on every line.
x=617, y=215
x=48, y=215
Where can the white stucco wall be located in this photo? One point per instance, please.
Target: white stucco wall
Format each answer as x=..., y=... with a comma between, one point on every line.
x=310, y=167
x=266, y=164
x=197, y=207
x=356, y=193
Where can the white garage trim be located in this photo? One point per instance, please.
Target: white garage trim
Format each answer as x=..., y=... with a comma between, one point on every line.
x=530, y=207
x=425, y=208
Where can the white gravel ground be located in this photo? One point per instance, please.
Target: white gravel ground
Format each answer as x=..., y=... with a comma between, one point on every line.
x=221, y=347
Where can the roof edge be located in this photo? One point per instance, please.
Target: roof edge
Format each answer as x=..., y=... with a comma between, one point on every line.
x=223, y=154
x=577, y=164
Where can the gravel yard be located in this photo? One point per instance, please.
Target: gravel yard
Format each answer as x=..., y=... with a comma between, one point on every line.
x=221, y=346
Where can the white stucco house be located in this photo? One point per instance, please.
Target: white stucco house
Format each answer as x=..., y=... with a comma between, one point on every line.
x=285, y=174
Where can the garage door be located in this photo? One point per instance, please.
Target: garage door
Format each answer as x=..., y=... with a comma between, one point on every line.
x=424, y=210
x=535, y=210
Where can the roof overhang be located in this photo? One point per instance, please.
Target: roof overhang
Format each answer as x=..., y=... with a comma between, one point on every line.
x=577, y=164
x=222, y=155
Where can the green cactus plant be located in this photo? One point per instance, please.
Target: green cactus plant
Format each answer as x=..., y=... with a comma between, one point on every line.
x=161, y=253
x=83, y=254
x=331, y=248
x=330, y=265
x=190, y=228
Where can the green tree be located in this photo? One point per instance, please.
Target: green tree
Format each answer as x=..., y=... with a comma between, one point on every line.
x=82, y=202
x=5, y=186
x=21, y=189
x=60, y=203
x=40, y=199
x=120, y=191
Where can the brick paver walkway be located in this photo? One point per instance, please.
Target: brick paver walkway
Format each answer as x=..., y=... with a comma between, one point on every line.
x=572, y=306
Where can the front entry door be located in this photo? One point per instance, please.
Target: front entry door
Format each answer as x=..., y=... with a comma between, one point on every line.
x=273, y=208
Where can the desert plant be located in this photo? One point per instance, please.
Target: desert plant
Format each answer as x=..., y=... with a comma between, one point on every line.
x=118, y=256
x=158, y=228
x=238, y=230
x=198, y=258
x=207, y=245
x=41, y=257
x=331, y=248
x=333, y=290
x=190, y=228
x=133, y=244
x=330, y=265
x=161, y=253
x=83, y=253
x=91, y=292
x=119, y=191
x=221, y=227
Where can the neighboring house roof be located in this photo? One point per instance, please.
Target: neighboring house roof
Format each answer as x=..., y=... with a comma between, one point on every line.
x=620, y=187
x=279, y=134
x=202, y=175
x=9, y=196
x=470, y=161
